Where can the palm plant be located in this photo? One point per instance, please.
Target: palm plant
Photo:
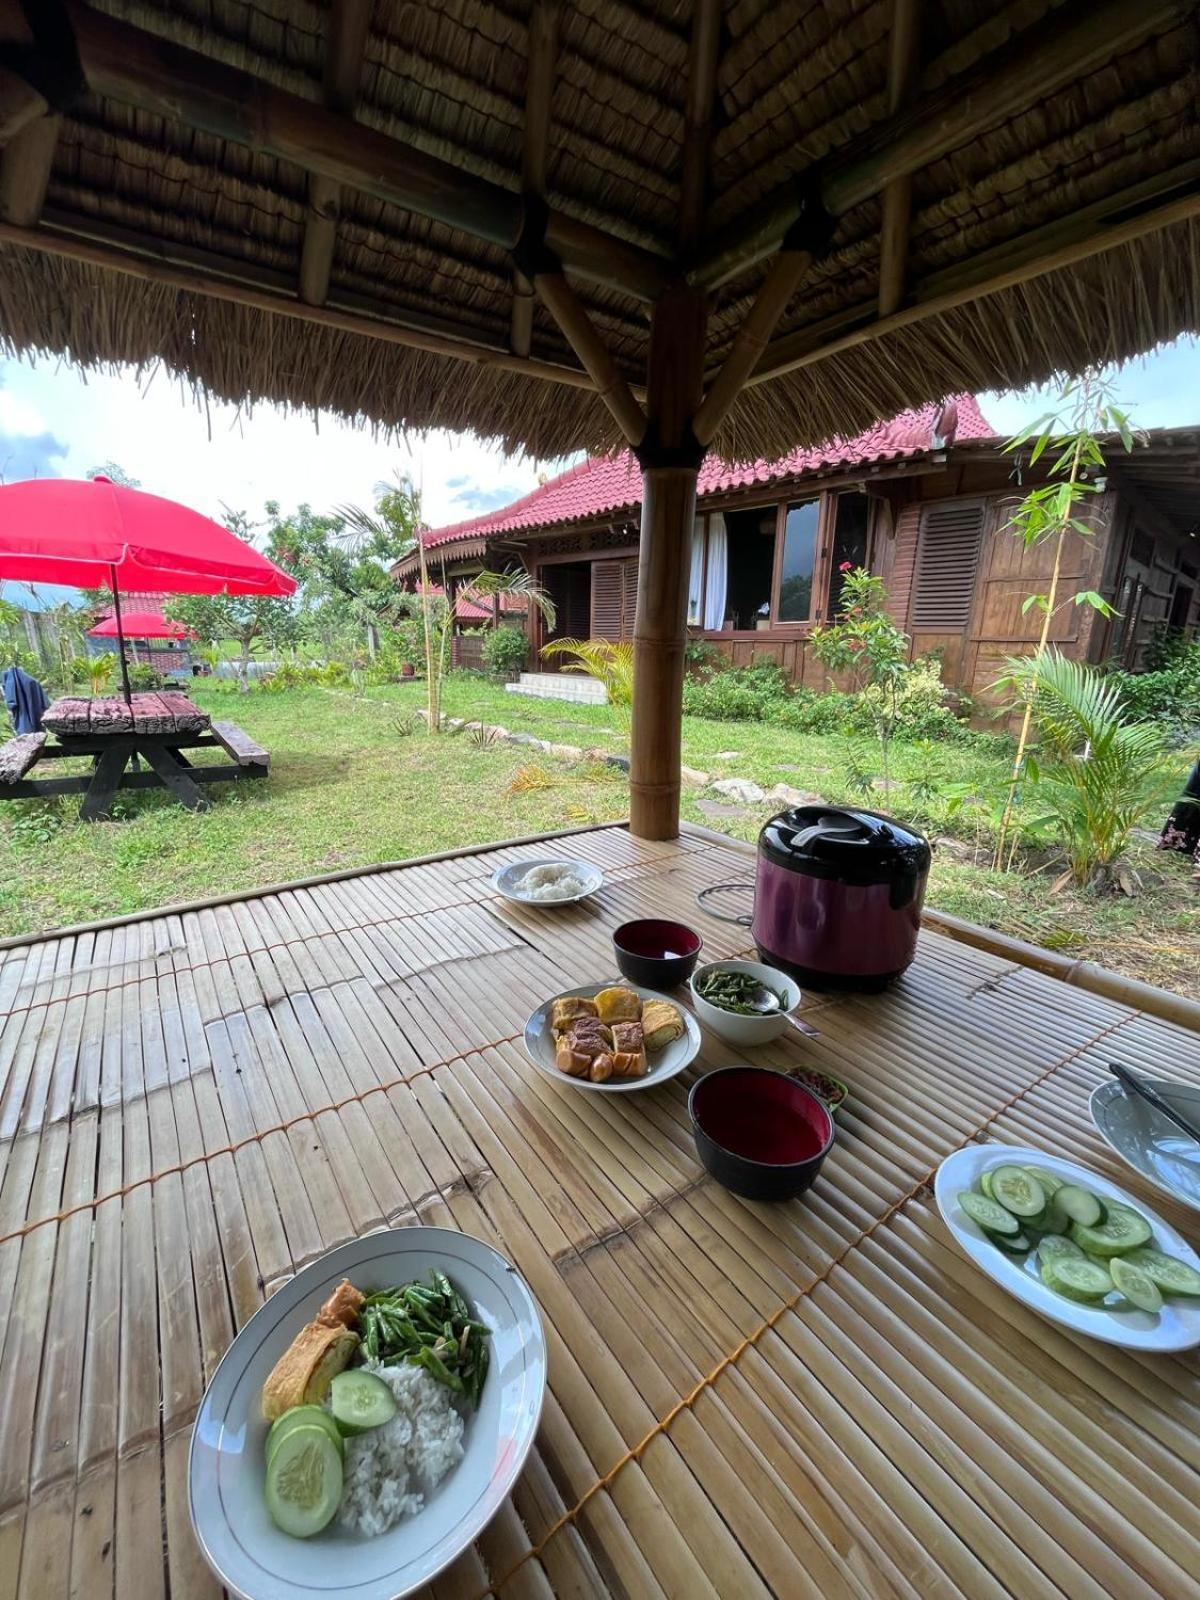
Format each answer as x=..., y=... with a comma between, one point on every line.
x=100, y=672
x=609, y=661
x=1098, y=774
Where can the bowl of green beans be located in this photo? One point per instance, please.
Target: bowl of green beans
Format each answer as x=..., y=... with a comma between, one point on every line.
x=729, y=999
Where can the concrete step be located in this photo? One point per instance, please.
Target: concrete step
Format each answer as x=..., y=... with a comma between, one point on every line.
x=571, y=686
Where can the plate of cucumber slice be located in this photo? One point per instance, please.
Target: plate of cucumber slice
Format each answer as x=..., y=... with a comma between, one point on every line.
x=1072, y=1246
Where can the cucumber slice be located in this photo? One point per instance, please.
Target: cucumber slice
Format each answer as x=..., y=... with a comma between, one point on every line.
x=302, y=1417
x=1053, y=1246
x=1051, y=1220
x=360, y=1400
x=1170, y=1274
x=1138, y=1287
x=1017, y=1191
x=987, y=1213
x=1079, y=1205
x=304, y=1481
x=1050, y=1184
x=1017, y=1244
x=1122, y=1230
x=985, y=1183
x=1076, y=1278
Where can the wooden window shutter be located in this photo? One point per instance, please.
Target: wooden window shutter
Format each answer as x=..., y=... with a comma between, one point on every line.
x=629, y=579
x=607, y=610
x=947, y=561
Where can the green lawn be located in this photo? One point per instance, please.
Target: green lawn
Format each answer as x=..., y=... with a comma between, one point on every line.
x=350, y=787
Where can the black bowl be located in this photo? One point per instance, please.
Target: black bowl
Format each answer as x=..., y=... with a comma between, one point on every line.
x=655, y=953
x=758, y=1132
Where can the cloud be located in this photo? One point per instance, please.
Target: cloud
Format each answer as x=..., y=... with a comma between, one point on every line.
x=473, y=497
x=38, y=455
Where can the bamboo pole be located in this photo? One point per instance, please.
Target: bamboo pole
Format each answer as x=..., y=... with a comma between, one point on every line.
x=539, y=95
x=664, y=562
x=348, y=27
x=581, y=334
x=200, y=282
x=1030, y=68
x=137, y=68
x=703, y=52
x=896, y=200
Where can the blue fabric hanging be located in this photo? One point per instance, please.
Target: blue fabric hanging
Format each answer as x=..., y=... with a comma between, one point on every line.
x=25, y=699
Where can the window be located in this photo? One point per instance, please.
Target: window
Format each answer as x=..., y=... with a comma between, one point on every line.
x=947, y=560
x=750, y=563
x=851, y=521
x=799, y=559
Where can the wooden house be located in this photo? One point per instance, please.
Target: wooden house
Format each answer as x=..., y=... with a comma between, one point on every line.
x=924, y=500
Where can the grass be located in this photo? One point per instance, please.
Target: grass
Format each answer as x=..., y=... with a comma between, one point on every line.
x=347, y=789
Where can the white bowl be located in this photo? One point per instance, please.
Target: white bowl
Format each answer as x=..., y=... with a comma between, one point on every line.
x=732, y=1026
x=227, y=1471
x=507, y=880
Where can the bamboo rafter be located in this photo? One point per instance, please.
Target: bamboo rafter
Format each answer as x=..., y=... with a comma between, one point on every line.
x=349, y=24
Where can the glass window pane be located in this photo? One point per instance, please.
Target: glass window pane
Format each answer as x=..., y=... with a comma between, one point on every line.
x=799, y=556
x=849, y=545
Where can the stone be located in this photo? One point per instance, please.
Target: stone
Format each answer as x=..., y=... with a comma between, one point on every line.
x=727, y=755
x=792, y=797
x=528, y=738
x=566, y=752
x=740, y=789
x=620, y=762
x=714, y=808
x=957, y=849
x=694, y=777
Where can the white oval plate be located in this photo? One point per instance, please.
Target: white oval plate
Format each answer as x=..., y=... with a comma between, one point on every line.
x=1148, y=1141
x=1175, y=1327
x=662, y=1064
x=506, y=881
x=226, y=1469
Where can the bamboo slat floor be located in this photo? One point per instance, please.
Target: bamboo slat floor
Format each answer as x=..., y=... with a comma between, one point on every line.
x=824, y=1398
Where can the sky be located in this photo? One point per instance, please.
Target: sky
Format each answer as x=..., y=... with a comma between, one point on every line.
x=57, y=421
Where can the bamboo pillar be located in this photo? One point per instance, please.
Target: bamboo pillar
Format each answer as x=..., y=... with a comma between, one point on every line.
x=670, y=460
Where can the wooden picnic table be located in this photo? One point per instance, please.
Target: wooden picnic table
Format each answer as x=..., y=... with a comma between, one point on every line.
x=156, y=728
x=824, y=1398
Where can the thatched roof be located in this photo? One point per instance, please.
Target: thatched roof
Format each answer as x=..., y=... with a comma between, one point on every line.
x=1096, y=170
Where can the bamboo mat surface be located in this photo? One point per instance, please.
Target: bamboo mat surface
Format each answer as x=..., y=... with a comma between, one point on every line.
x=823, y=1398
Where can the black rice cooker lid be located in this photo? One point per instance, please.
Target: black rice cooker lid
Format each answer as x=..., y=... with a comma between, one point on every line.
x=856, y=847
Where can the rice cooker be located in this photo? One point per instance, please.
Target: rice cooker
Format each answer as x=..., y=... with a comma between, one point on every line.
x=838, y=895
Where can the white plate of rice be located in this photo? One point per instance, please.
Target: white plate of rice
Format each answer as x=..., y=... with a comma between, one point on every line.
x=547, y=882
x=418, y=1490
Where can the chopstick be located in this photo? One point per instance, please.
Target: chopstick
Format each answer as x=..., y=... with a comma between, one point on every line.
x=1132, y=1083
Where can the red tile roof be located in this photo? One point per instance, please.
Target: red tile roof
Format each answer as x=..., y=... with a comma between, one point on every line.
x=600, y=486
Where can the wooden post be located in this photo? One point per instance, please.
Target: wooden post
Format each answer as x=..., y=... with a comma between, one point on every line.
x=670, y=459
x=896, y=199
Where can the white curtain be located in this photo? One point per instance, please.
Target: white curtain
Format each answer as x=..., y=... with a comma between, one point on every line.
x=717, y=587
x=695, y=611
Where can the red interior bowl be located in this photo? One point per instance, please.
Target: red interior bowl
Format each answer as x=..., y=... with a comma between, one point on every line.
x=758, y=1132
x=656, y=953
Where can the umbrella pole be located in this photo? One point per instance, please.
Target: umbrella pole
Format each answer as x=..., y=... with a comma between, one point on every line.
x=112, y=572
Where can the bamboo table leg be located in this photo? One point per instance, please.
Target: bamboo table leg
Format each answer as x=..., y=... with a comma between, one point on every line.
x=106, y=780
x=185, y=789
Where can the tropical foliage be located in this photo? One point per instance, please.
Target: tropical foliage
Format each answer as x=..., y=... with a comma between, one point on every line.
x=609, y=661
x=866, y=644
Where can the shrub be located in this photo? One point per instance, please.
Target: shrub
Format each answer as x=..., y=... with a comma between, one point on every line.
x=505, y=650
x=143, y=676
x=1169, y=694
x=740, y=694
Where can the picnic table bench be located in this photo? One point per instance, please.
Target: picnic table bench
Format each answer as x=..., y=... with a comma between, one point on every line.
x=154, y=728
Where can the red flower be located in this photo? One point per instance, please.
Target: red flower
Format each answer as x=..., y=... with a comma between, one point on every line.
x=846, y=566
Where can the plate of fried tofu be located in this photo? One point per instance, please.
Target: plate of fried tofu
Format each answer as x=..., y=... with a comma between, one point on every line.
x=611, y=1037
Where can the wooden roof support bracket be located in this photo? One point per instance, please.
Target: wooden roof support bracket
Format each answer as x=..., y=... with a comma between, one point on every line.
x=139, y=69
x=582, y=335
x=25, y=164
x=1029, y=68
x=896, y=201
x=539, y=96
x=345, y=48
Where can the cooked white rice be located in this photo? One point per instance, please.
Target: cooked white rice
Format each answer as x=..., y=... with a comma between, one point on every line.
x=390, y=1470
x=551, y=883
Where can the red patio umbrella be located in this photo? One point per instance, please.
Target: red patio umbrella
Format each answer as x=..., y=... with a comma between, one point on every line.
x=93, y=532
x=139, y=625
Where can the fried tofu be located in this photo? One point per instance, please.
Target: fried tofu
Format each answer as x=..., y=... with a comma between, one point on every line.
x=618, y=1005
x=342, y=1307
x=565, y=1011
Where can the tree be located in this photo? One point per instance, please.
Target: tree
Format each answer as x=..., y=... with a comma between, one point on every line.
x=867, y=644
x=250, y=619
x=115, y=473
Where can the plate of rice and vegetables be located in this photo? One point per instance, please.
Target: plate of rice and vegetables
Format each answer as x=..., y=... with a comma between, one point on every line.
x=369, y=1420
x=1072, y=1246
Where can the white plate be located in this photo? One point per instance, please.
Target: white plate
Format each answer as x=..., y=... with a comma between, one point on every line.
x=1150, y=1142
x=226, y=1470
x=1175, y=1327
x=663, y=1064
x=506, y=881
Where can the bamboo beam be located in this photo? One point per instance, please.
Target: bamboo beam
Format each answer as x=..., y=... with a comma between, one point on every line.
x=703, y=52
x=1030, y=68
x=139, y=69
x=581, y=334
x=1047, y=250
x=539, y=95
x=896, y=201
x=788, y=267
x=664, y=564
x=277, y=304
x=345, y=47
x=25, y=164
